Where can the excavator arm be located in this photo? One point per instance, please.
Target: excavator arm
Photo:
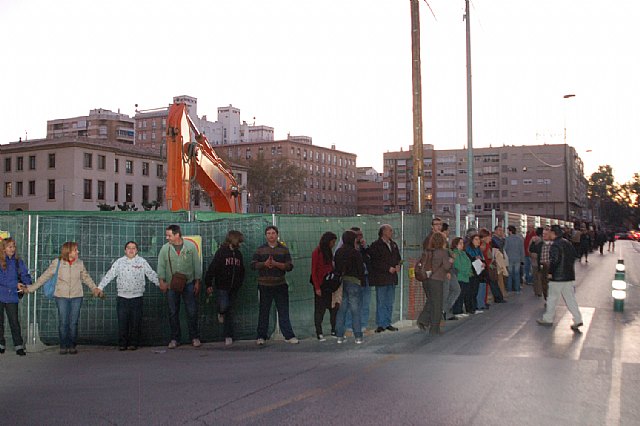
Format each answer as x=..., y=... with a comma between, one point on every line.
x=195, y=160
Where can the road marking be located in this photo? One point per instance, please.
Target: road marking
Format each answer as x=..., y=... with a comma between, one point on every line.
x=316, y=391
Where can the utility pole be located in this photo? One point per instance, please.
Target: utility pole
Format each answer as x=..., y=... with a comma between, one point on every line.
x=470, y=189
x=418, y=153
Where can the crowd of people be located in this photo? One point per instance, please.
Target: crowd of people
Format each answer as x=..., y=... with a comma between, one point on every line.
x=463, y=275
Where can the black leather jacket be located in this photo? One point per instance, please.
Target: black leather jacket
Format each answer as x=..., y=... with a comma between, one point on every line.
x=562, y=256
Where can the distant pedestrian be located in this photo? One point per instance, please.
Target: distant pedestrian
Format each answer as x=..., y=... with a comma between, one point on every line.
x=129, y=271
x=13, y=274
x=601, y=238
x=68, y=293
x=321, y=265
x=451, y=289
x=585, y=243
x=179, y=273
x=226, y=272
x=514, y=249
x=611, y=238
x=350, y=265
x=528, y=273
x=431, y=314
x=385, y=266
x=272, y=260
x=477, y=270
x=562, y=257
x=462, y=267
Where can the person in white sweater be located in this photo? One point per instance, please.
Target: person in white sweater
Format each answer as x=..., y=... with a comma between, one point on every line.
x=129, y=271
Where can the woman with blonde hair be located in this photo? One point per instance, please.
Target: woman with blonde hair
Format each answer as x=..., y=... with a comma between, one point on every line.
x=13, y=272
x=440, y=266
x=68, y=293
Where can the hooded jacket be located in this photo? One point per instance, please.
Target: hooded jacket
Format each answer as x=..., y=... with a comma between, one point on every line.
x=226, y=269
x=9, y=279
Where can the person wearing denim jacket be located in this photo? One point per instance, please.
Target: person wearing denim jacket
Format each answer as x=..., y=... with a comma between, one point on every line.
x=13, y=271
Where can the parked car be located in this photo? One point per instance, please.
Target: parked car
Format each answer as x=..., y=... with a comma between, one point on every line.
x=624, y=236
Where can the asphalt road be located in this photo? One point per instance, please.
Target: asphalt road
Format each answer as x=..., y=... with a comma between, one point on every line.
x=498, y=368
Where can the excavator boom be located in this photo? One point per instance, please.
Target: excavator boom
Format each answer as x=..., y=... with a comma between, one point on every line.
x=195, y=160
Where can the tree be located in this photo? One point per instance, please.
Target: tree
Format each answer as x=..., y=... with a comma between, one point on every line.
x=617, y=205
x=273, y=182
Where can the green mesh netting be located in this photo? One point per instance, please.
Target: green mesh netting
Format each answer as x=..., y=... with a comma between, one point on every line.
x=101, y=237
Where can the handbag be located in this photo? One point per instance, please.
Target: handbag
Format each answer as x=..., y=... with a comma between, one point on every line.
x=50, y=284
x=178, y=280
x=331, y=282
x=424, y=267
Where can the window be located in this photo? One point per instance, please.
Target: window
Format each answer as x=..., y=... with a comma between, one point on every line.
x=145, y=169
x=7, y=164
x=52, y=185
x=18, y=189
x=145, y=193
x=32, y=187
x=116, y=165
x=32, y=162
x=514, y=182
x=128, y=193
x=527, y=181
x=8, y=189
x=20, y=164
x=102, y=162
x=159, y=194
x=87, y=189
x=88, y=160
x=128, y=167
x=102, y=130
x=101, y=189
x=159, y=171
x=116, y=190
x=52, y=164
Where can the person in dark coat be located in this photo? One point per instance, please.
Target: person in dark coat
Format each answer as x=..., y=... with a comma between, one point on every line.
x=385, y=265
x=226, y=271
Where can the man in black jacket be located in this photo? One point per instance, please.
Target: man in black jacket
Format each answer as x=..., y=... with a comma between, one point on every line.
x=562, y=275
x=385, y=265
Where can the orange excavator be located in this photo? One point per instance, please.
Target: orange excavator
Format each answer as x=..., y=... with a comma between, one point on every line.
x=191, y=161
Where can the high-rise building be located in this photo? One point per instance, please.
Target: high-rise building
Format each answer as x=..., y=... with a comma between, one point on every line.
x=369, y=188
x=532, y=179
x=101, y=124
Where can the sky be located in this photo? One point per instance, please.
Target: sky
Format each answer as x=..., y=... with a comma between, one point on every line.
x=338, y=71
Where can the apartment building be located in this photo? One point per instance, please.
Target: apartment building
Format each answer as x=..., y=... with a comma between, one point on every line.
x=78, y=173
x=531, y=179
x=330, y=186
x=369, y=189
x=101, y=124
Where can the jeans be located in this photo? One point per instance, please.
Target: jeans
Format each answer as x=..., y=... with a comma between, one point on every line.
x=322, y=303
x=385, y=295
x=472, y=302
x=14, y=324
x=351, y=298
x=280, y=294
x=365, y=302
x=432, y=312
x=464, y=298
x=68, y=316
x=129, y=321
x=450, y=294
x=527, y=270
x=513, y=281
x=191, y=307
x=226, y=300
x=481, y=295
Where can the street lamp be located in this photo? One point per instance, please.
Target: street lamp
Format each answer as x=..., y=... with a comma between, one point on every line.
x=566, y=164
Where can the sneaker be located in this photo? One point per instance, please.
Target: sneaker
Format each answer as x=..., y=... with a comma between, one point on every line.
x=2, y=350
x=359, y=340
x=122, y=348
x=221, y=318
x=172, y=344
x=260, y=342
x=228, y=341
x=478, y=311
x=73, y=351
x=133, y=348
x=379, y=329
x=341, y=340
x=196, y=343
x=21, y=352
x=463, y=315
x=333, y=334
x=543, y=322
x=293, y=340
x=321, y=338
x=64, y=351
x=392, y=328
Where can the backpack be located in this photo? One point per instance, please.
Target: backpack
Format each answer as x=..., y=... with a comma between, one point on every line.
x=331, y=282
x=424, y=266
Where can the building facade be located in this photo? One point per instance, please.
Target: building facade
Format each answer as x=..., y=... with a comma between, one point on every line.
x=369, y=189
x=78, y=173
x=532, y=179
x=101, y=124
x=330, y=186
